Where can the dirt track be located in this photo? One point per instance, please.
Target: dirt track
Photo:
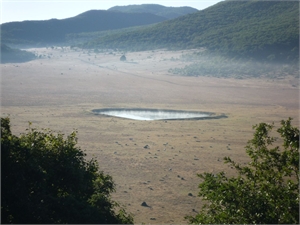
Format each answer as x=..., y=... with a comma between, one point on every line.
x=59, y=93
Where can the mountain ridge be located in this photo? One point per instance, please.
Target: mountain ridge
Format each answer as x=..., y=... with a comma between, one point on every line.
x=156, y=9
x=54, y=30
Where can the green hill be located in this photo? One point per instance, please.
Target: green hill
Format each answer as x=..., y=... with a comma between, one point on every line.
x=55, y=31
x=258, y=29
x=159, y=10
x=9, y=55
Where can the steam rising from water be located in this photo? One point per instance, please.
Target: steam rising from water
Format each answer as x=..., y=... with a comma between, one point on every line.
x=152, y=114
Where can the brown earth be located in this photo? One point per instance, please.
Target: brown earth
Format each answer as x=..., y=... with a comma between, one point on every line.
x=59, y=92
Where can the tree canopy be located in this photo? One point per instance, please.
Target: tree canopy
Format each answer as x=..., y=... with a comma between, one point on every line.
x=45, y=178
x=265, y=191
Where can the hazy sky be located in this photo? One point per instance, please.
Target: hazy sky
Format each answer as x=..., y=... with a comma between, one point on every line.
x=20, y=10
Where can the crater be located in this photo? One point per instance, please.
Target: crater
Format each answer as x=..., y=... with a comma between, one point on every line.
x=156, y=114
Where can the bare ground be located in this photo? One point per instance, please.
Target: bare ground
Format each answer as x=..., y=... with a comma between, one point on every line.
x=59, y=93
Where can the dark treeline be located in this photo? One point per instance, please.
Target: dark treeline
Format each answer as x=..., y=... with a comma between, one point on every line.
x=159, y=10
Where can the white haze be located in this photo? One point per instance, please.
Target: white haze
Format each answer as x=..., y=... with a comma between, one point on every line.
x=152, y=115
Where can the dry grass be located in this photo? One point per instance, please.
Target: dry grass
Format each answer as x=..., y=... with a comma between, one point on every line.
x=59, y=93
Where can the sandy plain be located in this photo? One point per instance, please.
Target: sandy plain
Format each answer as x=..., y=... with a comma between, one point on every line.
x=59, y=90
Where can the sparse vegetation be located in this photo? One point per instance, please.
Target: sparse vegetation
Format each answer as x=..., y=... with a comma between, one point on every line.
x=54, y=104
x=212, y=65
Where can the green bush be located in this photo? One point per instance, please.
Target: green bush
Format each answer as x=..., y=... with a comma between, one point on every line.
x=265, y=191
x=45, y=178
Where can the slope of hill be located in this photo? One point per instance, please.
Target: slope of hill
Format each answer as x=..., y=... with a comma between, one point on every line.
x=54, y=31
x=159, y=10
x=9, y=55
x=257, y=29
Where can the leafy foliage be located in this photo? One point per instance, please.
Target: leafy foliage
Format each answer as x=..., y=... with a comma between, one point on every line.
x=46, y=179
x=265, y=191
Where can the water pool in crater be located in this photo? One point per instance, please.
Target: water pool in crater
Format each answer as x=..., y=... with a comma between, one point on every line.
x=155, y=114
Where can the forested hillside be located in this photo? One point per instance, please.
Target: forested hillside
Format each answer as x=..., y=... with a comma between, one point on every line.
x=259, y=29
x=14, y=55
x=55, y=31
x=263, y=30
x=159, y=10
